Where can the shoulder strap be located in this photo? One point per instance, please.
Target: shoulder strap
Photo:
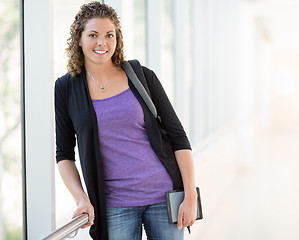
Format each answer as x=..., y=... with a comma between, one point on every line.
x=140, y=74
x=139, y=86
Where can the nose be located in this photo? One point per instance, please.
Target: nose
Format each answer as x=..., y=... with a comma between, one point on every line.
x=101, y=42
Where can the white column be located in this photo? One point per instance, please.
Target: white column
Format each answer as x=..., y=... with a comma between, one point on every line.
x=197, y=64
x=39, y=207
x=153, y=35
x=212, y=68
x=179, y=52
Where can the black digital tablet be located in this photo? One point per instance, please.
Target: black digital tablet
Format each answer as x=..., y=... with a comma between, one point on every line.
x=174, y=199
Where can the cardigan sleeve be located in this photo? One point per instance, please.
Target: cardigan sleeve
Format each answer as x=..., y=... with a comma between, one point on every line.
x=169, y=119
x=65, y=133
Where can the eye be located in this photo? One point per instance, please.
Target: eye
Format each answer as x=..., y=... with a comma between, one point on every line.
x=110, y=35
x=92, y=35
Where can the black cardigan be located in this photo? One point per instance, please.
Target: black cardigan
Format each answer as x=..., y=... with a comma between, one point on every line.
x=76, y=119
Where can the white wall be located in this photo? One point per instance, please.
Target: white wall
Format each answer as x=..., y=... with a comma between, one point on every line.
x=38, y=119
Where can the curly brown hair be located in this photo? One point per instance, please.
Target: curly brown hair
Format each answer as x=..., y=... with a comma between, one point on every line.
x=74, y=51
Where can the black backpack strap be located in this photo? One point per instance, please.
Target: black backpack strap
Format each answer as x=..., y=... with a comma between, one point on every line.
x=139, y=86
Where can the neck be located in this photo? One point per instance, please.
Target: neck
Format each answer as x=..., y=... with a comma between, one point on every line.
x=99, y=69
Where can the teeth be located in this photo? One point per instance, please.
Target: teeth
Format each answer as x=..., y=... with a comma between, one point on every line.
x=100, y=52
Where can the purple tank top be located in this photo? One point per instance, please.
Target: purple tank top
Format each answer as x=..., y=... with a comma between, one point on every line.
x=133, y=174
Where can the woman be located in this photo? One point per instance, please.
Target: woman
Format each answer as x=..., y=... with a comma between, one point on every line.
x=127, y=163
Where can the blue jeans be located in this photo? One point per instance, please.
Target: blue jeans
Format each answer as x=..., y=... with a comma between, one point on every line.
x=125, y=223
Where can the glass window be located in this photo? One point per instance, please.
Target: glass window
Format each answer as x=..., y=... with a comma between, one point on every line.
x=11, y=213
x=167, y=59
x=133, y=22
x=63, y=16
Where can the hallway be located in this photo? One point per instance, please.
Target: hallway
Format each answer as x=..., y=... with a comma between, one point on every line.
x=251, y=194
x=249, y=187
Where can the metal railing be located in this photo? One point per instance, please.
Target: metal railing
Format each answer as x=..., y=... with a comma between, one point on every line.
x=70, y=229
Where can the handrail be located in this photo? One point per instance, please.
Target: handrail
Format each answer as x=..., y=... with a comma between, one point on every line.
x=69, y=228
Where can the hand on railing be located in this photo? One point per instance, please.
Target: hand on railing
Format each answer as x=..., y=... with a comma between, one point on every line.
x=70, y=229
x=84, y=206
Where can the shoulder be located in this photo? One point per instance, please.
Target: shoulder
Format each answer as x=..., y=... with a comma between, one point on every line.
x=149, y=75
x=151, y=78
x=137, y=66
x=64, y=84
x=147, y=71
x=63, y=80
x=67, y=80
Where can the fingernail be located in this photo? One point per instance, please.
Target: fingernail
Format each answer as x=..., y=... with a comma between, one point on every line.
x=179, y=227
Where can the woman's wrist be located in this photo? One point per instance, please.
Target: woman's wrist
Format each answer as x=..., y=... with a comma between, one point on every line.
x=191, y=194
x=81, y=197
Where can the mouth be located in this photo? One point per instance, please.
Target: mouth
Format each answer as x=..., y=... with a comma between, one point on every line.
x=100, y=52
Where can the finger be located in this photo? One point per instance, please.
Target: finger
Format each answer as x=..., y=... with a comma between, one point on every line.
x=185, y=221
x=192, y=222
x=77, y=213
x=91, y=217
x=189, y=223
x=180, y=220
x=88, y=224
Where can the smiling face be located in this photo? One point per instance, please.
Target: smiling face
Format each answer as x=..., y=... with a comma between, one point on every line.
x=98, y=41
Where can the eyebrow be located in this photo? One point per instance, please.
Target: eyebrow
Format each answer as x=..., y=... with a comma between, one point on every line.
x=93, y=31
x=97, y=32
